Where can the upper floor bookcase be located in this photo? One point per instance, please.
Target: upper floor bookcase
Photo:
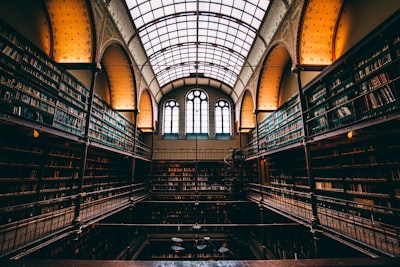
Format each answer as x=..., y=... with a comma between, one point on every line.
x=281, y=128
x=109, y=127
x=35, y=89
x=360, y=87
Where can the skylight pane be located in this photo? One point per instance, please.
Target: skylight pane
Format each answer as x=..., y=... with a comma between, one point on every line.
x=158, y=13
x=131, y=3
x=227, y=10
x=250, y=8
x=145, y=7
x=168, y=10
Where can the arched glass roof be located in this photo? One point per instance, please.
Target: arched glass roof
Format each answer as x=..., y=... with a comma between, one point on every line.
x=211, y=38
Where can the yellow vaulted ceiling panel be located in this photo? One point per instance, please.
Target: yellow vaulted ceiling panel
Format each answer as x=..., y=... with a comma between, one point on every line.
x=145, y=117
x=267, y=97
x=317, y=34
x=120, y=77
x=247, y=120
x=72, y=34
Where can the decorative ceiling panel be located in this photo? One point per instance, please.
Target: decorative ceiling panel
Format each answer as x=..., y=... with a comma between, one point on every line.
x=72, y=33
x=316, y=45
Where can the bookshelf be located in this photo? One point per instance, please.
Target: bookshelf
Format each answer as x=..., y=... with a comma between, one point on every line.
x=38, y=67
x=365, y=173
x=281, y=128
x=351, y=181
x=36, y=88
x=286, y=170
x=106, y=170
x=110, y=127
x=36, y=178
x=360, y=87
x=185, y=176
x=20, y=98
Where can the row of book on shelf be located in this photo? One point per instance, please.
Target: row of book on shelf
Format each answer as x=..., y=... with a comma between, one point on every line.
x=36, y=88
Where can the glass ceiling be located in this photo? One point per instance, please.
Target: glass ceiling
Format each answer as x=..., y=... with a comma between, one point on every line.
x=209, y=38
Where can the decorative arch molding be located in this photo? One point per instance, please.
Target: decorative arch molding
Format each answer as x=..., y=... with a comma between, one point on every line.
x=247, y=118
x=145, y=116
x=270, y=78
x=317, y=32
x=73, y=35
x=120, y=75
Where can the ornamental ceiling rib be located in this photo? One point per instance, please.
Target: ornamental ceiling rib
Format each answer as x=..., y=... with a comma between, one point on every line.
x=207, y=38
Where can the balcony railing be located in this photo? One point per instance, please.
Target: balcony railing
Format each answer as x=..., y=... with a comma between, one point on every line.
x=344, y=220
x=54, y=225
x=190, y=154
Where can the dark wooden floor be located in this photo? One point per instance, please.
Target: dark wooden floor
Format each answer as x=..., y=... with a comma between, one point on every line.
x=395, y=262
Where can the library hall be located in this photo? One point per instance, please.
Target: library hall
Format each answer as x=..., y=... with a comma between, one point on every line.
x=186, y=133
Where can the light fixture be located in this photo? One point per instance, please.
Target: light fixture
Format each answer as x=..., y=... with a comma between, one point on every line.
x=35, y=133
x=196, y=226
x=202, y=245
x=177, y=247
x=177, y=239
x=350, y=135
x=205, y=242
x=223, y=250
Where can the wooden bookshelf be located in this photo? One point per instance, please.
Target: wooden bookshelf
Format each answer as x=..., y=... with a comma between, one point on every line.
x=110, y=127
x=363, y=172
x=35, y=178
x=287, y=170
x=185, y=176
x=36, y=88
x=106, y=170
x=336, y=178
x=281, y=128
x=360, y=87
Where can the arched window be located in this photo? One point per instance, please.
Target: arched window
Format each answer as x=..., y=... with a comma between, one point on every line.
x=222, y=117
x=171, y=117
x=196, y=112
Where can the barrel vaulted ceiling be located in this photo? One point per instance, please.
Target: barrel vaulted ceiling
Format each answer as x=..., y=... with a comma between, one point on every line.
x=218, y=43
x=197, y=38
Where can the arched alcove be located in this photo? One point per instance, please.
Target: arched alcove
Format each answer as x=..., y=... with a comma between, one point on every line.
x=145, y=116
x=116, y=64
x=270, y=78
x=247, y=118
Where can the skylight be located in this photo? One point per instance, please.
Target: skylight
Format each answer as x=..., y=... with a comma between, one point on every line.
x=191, y=37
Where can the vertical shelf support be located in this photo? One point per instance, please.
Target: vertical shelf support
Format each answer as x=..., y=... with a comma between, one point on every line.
x=314, y=224
x=135, y=113
x=256, y=112
x=77, y=220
